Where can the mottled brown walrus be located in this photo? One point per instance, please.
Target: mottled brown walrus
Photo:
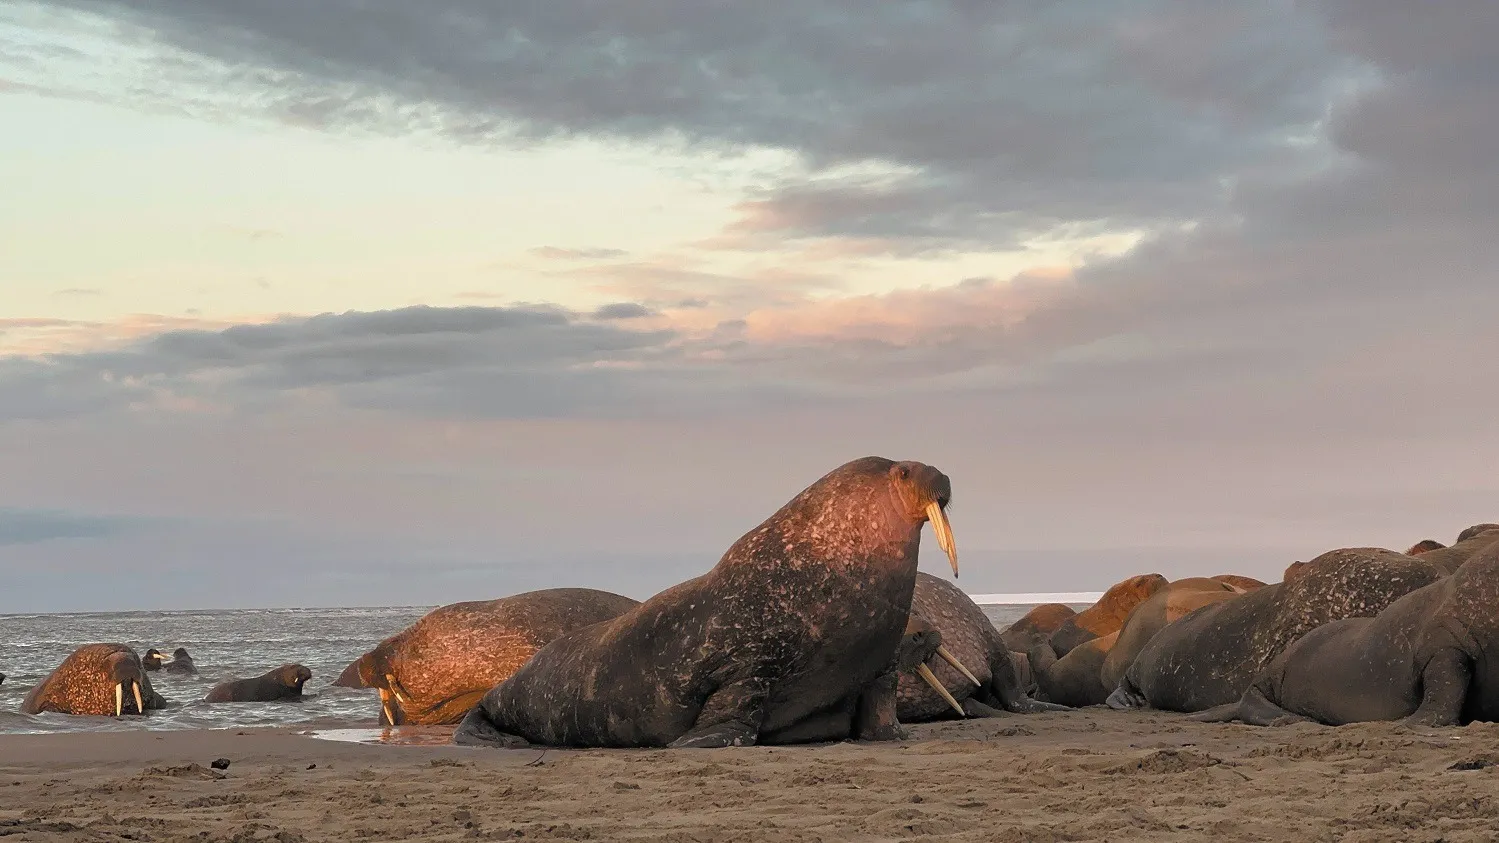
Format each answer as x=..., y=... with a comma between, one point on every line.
x=791, y=638
x=1424, y=660
x=435, y=670
x=1210, y=657
x=1423, y=546
x=987, y=682
x=1107, y=615
x=350, y=677
x=1172, y=603
x=1037, y=625
x=96, y=679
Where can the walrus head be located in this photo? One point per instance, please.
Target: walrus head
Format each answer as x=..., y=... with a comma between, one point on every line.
x=153, y=659
x=124, y=669
x=1476, y=530
x=920, y=642
x=1424, y=546
x=292, y=676
x=923, y=493
x=181, y=654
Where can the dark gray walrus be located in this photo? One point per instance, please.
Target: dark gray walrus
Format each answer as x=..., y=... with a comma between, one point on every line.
x=1210, y=657
x=1469, y=543
x=283, y=683
x=153, y=659
x=986, y=683
x=97, y=679
x=181, y=663
x=791, y=638
x=1423, y=660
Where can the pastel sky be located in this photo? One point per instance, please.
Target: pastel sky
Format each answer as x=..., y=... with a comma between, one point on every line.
x=372, y=302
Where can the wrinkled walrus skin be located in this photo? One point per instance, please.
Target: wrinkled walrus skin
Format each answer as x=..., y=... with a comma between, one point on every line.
x=790, y=638
x=106, y=680
x=971, y=638
x=1430, y=659
x=436, y=670
x=1210, y=657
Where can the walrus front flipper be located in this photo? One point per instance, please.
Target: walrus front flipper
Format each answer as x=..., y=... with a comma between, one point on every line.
x=1125, y=698
x=1226, y=713
x=1004, y=685
x=731, y=716
x=1444, y=690
x=875, y=718
x=476, y=730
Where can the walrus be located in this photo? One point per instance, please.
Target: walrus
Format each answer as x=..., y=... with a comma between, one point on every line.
x=1469, y=544
x=435, y=670
x=350, y=678
x=2, y=679
x=790, y=638
x=1107, y=615
x=1165, y=607
x=1072, y=680
x=283, y=683
x=1423, y=546
x=1038, y=624
x=181, y=663
x=978, y=672
x=1238, y=581
x=153, y=659
x=1424, y=661
x=1293, y=571
x=1209, y=657
x=1474, y=531
x=96, y=679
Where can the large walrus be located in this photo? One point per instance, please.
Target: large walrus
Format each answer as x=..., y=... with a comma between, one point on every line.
x=1209, y=657
x=985, y=683
x=435, y=671
x=282, y=683
x=99, y=679
x=1037, y=625
x=1423, y=660
x=1468, y=545
x=792, y=637
x=1107, y=615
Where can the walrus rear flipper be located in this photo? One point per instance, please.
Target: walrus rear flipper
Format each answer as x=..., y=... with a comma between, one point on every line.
x=1004, y=687
x=1444, y=689
x=731, y=716
x=1125, y=697
x=476, y=730
x=1226, y=713
x=1254, y=708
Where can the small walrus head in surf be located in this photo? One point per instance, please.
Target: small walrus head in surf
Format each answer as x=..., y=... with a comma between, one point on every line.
x=293, y=676
x=153, y=659
x=921, y=642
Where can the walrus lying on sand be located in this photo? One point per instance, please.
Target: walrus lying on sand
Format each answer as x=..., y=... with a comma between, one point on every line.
x=1105, y=616
x=97, y=679
x=791, y=638
x=1470, y=542
x=970, y=639
x=282, y=683
x=1037, y=625
x=436, y=670
x=1424, y=660
x=1211, y=656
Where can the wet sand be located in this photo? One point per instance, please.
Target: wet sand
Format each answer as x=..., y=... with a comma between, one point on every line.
x=1089, y=775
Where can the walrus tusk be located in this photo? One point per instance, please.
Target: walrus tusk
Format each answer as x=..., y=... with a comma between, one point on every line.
x=943, y=530
x=395, y=688
x=140, y=707
x=951, y=659
x=931, y=679
x=390, y=719
x=119, y=699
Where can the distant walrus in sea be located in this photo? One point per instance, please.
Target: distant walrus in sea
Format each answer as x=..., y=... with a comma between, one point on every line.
x=2, y=679
x=792, y=637
x=1107, y=615
x=181, y=663
x=1037, y=625
x=1423, y=660
x=153, y=659
x=283, y=683
x=1209, y=657
x=435, y=670
x=350, y=678
x=98, y=679
x=987, y=682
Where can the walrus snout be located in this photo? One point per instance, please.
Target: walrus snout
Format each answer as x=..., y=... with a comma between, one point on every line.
x=926, y=493
x=125, y=671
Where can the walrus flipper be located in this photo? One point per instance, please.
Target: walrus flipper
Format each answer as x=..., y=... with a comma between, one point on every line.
x=875, y=717
x=1004, y=687
x=1126, y=697
x=1444, y=689
x=731, y=716
x=477, y=730
x=1254, y=708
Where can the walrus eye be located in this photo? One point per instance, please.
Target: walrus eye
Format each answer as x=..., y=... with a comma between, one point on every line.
x=903, y=472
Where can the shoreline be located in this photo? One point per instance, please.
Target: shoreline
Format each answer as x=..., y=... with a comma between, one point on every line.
x=1093, y=774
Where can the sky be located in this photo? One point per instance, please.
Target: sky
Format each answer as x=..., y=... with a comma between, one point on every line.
x=366, y=302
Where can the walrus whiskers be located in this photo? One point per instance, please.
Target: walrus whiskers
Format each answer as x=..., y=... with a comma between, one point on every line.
x=926, y=673
x=943, y=529
x=951, y=659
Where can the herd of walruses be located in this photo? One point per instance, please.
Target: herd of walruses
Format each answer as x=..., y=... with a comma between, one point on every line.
x=816, y=626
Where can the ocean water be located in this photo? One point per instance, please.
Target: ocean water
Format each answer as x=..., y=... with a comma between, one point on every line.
x=226, y=644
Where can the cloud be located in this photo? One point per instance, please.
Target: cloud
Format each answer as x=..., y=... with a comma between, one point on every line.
x=555, y=253
x=623, y=310
x=35, y=526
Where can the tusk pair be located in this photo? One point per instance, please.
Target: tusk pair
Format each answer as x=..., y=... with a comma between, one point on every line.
x=395, y=688
x=951, y=659
x=943, y=530
x=931, y=679
x=140, y=707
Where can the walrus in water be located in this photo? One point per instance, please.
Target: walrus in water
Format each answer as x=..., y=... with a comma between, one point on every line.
x=1470, y=542
x=1424, y=660
x=1209, y=657
x=977, y=676
x=181, y=663
x=153, y=659
x=1105, y=616
x=283, y=683
x=1037, y=625
x=351, y=678
x=97, y=679
x=435, y=670
x=1423, y=546
x=790, y=638
x=2, y=679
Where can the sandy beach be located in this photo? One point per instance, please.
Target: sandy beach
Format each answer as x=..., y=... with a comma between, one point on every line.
x=1090, y=775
